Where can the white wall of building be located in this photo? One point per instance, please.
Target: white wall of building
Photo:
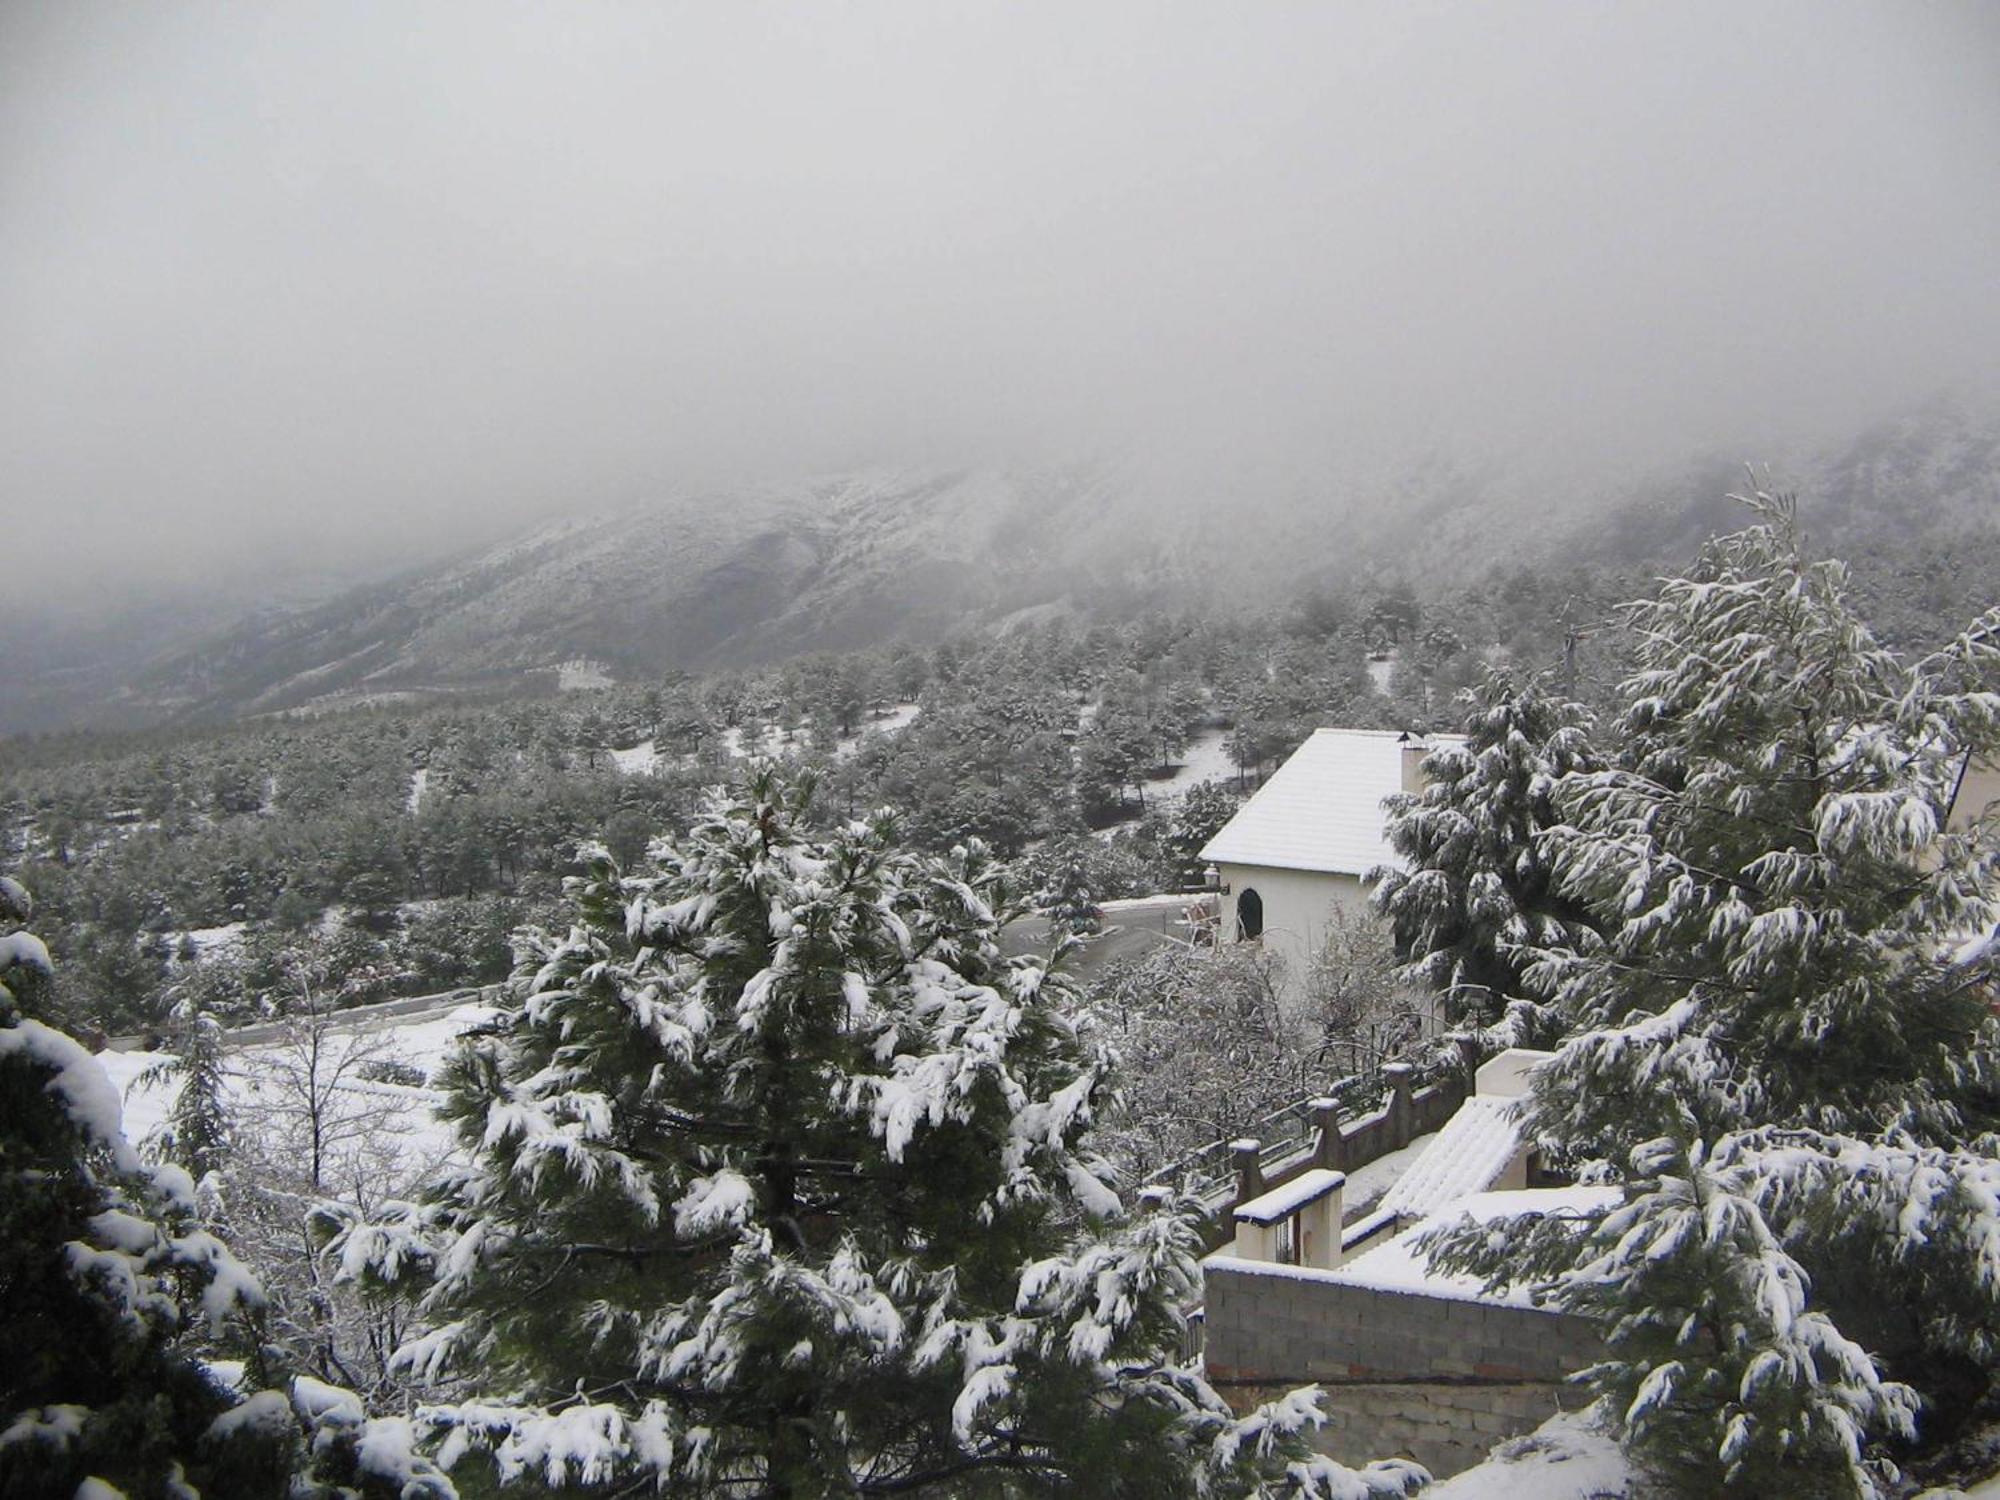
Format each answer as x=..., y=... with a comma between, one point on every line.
x=1978, y=789
x=1297, y=907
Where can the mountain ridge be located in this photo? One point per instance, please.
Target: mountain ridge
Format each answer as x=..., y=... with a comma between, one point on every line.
x=732, y=577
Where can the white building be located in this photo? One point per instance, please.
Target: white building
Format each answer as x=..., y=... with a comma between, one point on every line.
x=1976, y=796
x=1304, y=843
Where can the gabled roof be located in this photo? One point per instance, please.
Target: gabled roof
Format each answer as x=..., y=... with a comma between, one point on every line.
x=1322, y=809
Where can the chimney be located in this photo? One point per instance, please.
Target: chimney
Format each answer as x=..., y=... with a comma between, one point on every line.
x=1414, y=749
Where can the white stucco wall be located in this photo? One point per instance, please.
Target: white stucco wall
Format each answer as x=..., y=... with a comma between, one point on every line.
x=1979, y=789
x=1296, y=907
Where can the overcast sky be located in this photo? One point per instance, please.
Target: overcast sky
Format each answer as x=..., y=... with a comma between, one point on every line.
x=291, y=281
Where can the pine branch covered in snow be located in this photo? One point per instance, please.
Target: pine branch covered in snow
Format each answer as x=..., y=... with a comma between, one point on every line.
x=779, y=1179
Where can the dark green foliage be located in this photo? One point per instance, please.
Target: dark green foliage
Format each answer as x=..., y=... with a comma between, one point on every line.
x=103, y=1276
x=1202, y=812
x=1475, y=903
x=196, y=1135
x=1064, y=890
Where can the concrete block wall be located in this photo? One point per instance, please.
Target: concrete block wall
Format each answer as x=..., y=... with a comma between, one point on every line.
x=1446, y=1428
x=1442, y=1378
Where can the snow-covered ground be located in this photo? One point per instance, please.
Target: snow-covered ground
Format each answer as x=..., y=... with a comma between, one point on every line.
x=1381, y=672
x=894, y=721
x=641, y=760
x=419, y=780
x=348, y=700
x=769, y=740
x=210, y=941
x=581, y=675
x=644, y=758
x=1569, y=1457
x=1206, y=759
x=1171, y=902
x=1566, y=1458
x=257, y=1074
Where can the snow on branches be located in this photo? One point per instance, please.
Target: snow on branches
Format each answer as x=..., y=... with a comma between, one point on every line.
x=778, y=1175
x=1477, y=902
x=1781, y=1045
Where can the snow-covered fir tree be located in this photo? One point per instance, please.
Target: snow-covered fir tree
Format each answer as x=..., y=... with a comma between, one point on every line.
x=1782, y=1049
x=1475, y=901
x=1199, y=817
x=1065, y=895
x=197, y=1129
x=778, y=1184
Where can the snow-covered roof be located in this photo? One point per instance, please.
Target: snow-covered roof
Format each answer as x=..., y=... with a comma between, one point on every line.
x=1467, y=1156
x=1322, y=809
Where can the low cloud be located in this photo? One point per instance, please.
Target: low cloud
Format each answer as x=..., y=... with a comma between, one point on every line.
x=294, y=288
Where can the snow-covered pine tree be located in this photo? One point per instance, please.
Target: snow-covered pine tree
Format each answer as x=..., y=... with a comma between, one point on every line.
x=778, y=1185
x=1780, y=1050
x=1066, y=899
x=196, y=1134
x=1204, y=808
x=1475, y=902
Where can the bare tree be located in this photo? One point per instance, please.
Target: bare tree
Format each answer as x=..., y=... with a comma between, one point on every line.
x=313, y=1087
x=323, y=1140
x=1364, y=1013
x=1210, y=1041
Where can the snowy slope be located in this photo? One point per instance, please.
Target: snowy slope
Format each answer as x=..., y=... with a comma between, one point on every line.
x=255, y=1072
x=701, y=580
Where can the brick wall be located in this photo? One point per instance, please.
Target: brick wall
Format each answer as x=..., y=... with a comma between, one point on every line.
x=1439, y=1378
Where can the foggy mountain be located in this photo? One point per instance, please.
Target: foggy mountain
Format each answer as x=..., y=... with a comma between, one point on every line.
x=696, y=581
x=736, y=576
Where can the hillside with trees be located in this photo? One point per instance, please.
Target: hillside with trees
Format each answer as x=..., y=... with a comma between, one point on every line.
x=775, y=1163
x=391, y=850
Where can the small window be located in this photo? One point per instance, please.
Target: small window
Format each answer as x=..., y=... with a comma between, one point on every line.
x=1249, y=916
